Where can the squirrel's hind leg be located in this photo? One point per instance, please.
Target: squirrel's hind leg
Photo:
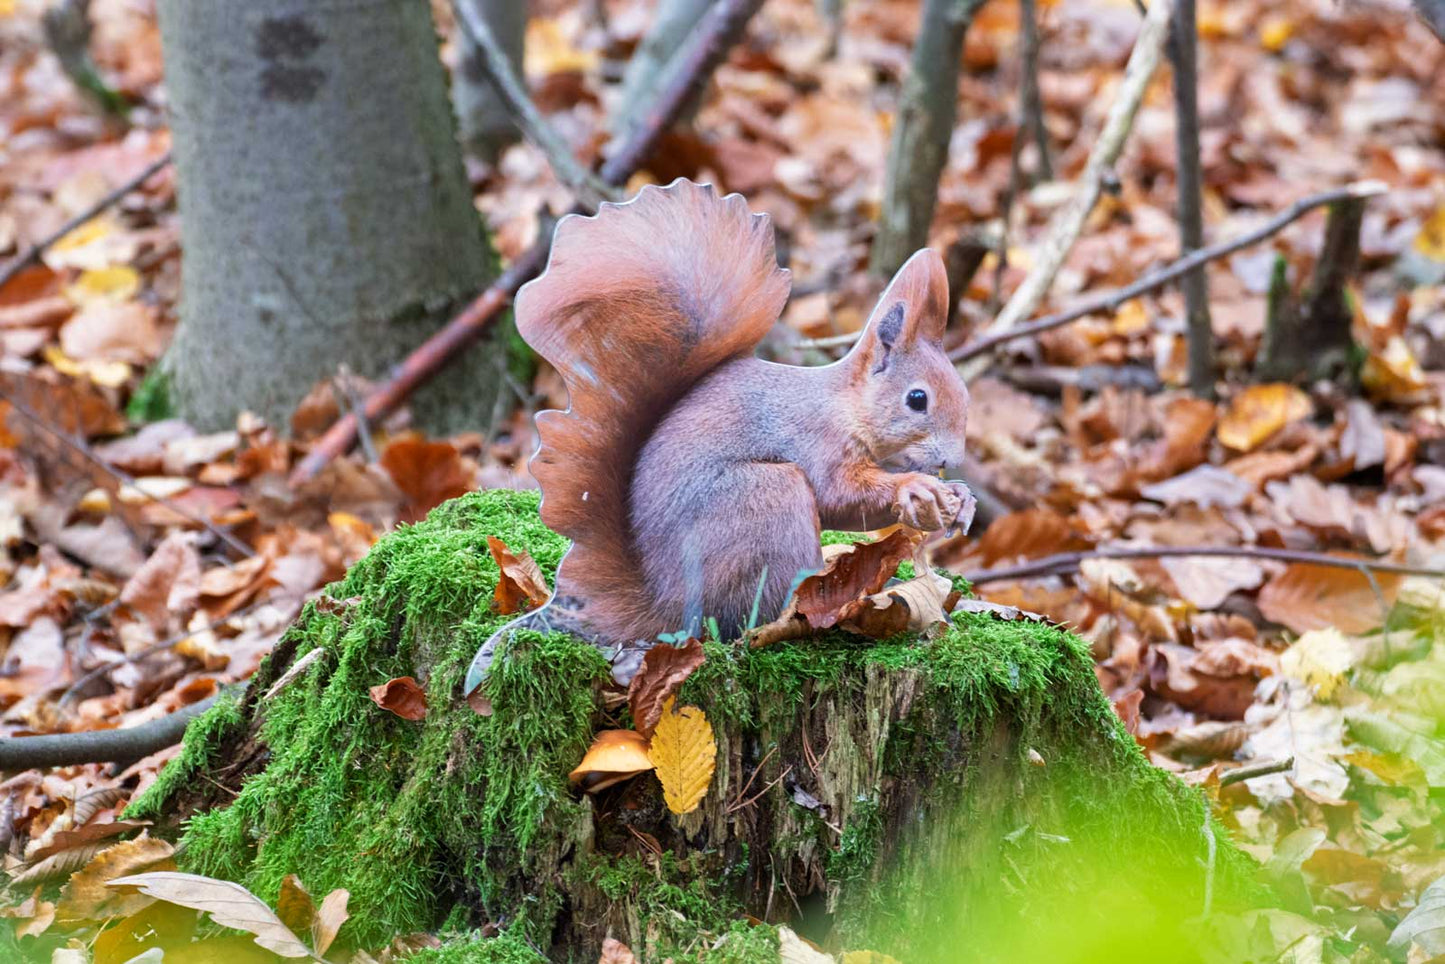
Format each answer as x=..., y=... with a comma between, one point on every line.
x=758, y=527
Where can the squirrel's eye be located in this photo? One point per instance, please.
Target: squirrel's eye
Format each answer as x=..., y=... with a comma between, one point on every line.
x=917, y=400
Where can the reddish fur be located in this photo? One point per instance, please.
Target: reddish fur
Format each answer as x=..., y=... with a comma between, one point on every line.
x=700, y=464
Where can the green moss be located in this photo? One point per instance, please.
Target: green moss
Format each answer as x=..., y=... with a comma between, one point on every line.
x=459, y=818
x=204, y=736
x=151, y=401
x=508, y=947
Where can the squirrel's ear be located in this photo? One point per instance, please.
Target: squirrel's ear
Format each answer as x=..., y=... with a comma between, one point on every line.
x=913, y=307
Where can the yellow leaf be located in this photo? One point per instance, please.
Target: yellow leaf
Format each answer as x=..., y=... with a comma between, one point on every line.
x=613, y=756
x=116, y=283
x=550, y=52
x=1320, y=658
x=106, y=374
x=1274, y=33
x=1258, y=412
x=684, y=754
x=1132, y=317
x=1431, y=240
x=1393, y=374
x=92, y=230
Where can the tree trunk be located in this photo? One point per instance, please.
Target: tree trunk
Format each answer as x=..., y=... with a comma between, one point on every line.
x=927, y=106
x=670, y=29
x=486, y=125
x=896, y=796
x=1314, y=340
x=1183, y=47
x=325, y=215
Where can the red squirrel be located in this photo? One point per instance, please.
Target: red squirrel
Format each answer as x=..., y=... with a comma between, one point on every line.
x=692, y=477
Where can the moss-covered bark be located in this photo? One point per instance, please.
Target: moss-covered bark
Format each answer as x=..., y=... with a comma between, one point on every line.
x=936, y=800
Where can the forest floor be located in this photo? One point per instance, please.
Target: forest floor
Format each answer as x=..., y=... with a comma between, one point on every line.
x=120, y=603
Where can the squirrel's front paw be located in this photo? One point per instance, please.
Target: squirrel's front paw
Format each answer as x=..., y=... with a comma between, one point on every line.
x=928, y=503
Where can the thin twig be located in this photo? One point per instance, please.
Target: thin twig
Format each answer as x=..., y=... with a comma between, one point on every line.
x=754, y=798
x=1110, y=300
x=98, y=746
x=1189, y=181
x=717, y=35
x=125, y=478
x=1257, y=770
x=589, y=189
x=1066, y=225
x=33, y=253
x=345, y=385
x=1066, y=562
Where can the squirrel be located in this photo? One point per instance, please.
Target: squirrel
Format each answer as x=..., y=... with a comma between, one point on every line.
x=692, y=477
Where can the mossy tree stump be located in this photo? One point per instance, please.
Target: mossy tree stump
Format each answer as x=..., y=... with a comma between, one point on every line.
x=935, y=799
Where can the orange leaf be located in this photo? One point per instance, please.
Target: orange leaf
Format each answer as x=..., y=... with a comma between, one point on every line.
x=1259, y=411
x=1306, y=597
x=402, y=696
x=428, y=472
x=519, y=581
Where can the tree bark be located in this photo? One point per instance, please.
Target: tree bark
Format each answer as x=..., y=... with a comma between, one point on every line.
x=1314, y=340
x=927, y=107
x=486, y=125
x=325, y=215
x=670, y=29
x=1189, y=181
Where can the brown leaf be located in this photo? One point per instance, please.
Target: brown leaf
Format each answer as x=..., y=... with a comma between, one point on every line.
x=664, y=669
x=1026, y=535
x=1258, y=412
x=913, y=605
x=329, y=919
x=821, y=597
x=520, y=579
x=613, y=756
x=402, y=696
x=428, y=472
x=1187, y=424
x=228, y=904
x=1204, y=485
x=1206, y=582
x=86, y=897
x=1175, y=673
x=616, y=952
x=1306, y=597
x=168, y=585
x=87, y=834
x=294, y=905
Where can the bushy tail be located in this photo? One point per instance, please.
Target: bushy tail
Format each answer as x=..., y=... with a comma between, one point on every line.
x=636, y=306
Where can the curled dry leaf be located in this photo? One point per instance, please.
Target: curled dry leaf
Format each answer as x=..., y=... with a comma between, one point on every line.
x=227, y=903
x=403, y=696
x=664, y=669
x=684, y=754
x=614, y=756
x=520, y=583
x=86, y=897
x=1204, y=485
x=294, y=905
x=914, y=605
x=329, y=918
x=86, y=834
x=1260, y=411
x=428, y=472
x=1425, y=925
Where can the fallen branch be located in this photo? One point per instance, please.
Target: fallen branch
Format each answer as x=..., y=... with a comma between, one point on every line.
x=33, y=253
x=1111, y=300
x=717, y=35
x=589, y=189
x=1066, y=226
x=1064, y=563
x=98, y=746
x=125, y=478
x=1257, y=770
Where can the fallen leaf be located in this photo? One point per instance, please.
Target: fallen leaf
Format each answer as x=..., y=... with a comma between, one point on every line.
x=664, y=669
x=1306, y=597
x=849, y=575
x=1393, y=374
x=1363, y=440
x=684, y=753
x=294, y=905
x=1258, y=412
x=792, y=949
x=227, y=903
x=614, y=756
x=1319, y=658
x=329, y=918
x=1204, y=485
x=403, y=696
x=86, y=834
x=85, y=897
x=168, y=585
x=520, y=580
x=1425, y=925
x=429, y=473
x=1207, y=581
x=616, y=952
x=1029, y=534
x=157, y=925
x=914, y=605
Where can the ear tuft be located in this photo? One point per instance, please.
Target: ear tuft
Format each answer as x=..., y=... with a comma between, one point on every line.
x=892, y=325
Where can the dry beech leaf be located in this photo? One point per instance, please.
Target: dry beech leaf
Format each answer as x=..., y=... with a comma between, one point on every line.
x=1306, y=597
x=614, y=756
x=1319, y=658
x=519, y=582
x=402, y=696
x=1258, y=412
x=684, y=753
x=1026, y=535
x=168, y=584
x=228, y=904
x=664, y=669
x=1206, y=582
x=914, y=605
x=429, y=473
x=329, y=918
x=57, y=865
x=294, y=905
x=86, y=897
x=1210, y=740
x=793, y=949
x=86, y=834
x=1204, y=485
x=616, y=952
